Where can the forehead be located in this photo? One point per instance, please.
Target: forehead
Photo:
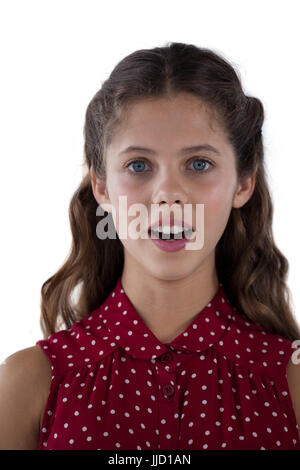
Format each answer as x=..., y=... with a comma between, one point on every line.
x=183, y=119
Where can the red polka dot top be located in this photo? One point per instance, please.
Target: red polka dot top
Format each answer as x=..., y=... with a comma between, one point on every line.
x=220, y=384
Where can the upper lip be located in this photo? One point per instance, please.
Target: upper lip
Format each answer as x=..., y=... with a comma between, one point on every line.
x=180, y=223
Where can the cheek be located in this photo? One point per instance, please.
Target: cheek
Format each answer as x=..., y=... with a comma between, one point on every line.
x=126, y=213
x=122, y=186
x=217, y=208
x=122, y=194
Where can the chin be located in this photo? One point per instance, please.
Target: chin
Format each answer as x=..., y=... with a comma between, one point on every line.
x=166, y=273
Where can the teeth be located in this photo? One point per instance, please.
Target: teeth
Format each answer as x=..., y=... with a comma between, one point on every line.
x=167, y=229
x=175, y=230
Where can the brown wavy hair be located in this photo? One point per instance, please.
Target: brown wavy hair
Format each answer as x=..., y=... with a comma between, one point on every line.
x=250, y=266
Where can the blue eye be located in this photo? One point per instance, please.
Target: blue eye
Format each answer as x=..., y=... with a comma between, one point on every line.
x=203, y=162
x=139, y=166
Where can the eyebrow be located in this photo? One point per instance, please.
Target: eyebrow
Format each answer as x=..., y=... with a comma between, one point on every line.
x=194, y=148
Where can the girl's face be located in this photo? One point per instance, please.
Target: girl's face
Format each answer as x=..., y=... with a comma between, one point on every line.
x=169, y=176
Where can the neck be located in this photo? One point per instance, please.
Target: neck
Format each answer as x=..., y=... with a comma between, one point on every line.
x=167, y=307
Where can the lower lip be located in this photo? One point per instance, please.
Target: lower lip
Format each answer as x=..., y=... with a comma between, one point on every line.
x=165, y=245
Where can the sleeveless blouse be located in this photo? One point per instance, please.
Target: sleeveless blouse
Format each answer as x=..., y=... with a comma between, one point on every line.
x=221, y=384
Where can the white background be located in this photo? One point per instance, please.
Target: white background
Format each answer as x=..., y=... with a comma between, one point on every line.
x=54, y=56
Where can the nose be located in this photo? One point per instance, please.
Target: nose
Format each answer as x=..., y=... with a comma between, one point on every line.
x=169, y=201
x=170, y=192
x=169, y=198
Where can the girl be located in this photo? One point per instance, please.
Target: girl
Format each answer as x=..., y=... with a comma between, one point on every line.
x=163, y=346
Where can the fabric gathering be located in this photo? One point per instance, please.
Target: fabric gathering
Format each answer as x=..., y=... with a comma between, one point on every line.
x=221, y=384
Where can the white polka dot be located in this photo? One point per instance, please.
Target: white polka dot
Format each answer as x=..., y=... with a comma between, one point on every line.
x=223, y=377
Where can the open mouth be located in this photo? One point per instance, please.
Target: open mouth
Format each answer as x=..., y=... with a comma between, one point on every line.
x=170, y=236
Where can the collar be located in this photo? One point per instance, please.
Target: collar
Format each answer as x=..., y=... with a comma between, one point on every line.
x=123, y=323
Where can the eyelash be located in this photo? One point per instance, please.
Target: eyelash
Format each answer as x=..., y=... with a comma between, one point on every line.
x=143, y=172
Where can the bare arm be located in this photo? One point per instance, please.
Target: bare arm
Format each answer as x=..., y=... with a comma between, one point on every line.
x=293, y=379
x=25, y=378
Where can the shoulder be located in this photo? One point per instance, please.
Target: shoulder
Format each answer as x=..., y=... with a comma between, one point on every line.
x=251, y=345
x=25, y=378
x=31, y=356
x=86, y=342
x=293, y=379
